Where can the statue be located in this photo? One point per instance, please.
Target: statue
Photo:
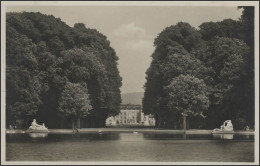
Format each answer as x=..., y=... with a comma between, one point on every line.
x=227, y=126
x=35, y=126
x=247, y=128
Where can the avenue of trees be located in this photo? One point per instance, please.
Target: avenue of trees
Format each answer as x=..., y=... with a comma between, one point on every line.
x=58, y=74
x=203, y=76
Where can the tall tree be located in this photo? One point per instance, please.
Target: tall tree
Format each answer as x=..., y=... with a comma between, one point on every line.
x=172, y=57
x=243, y=62
x=188, y=96
x=248, y=21
x=74, y=102
x=22, y=81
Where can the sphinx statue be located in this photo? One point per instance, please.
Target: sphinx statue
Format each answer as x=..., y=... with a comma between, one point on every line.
x=35, y=126
x=226, y=127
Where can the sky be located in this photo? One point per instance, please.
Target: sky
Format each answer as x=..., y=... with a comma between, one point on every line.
x=131, y=30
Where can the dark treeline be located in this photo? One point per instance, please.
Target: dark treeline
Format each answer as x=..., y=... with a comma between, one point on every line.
x=205, y=75
x=49, y=65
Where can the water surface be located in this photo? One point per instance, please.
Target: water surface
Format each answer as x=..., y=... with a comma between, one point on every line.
x=130, y=147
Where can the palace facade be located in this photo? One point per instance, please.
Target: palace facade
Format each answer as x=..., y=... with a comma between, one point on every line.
x=130, y=115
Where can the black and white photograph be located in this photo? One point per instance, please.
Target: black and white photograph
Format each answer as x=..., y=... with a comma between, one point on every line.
x=129, y=82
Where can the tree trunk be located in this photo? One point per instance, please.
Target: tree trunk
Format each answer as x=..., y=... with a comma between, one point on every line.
x=184, y=123
x=188, y=123
x=78, y=122
x=73, y=125
x=100, y=123
x=104, y=122
x=179, y=126
x=157, y=121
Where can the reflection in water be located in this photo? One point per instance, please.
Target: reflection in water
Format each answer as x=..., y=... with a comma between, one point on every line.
x=131, y=137
x=223, y=136
x=184, y=136
x=149, y=136
x=50, y=137
x=38, y=135
x=129, y=147
x=247, y=136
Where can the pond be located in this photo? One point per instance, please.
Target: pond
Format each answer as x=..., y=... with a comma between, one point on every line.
x=136, y=147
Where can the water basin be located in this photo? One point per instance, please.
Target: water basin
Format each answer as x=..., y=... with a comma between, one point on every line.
x=140, y=147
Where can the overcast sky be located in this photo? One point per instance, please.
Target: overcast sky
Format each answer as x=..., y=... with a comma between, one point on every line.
x=131, y=30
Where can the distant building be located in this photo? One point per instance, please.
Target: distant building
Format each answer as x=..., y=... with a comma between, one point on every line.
x=130, y=115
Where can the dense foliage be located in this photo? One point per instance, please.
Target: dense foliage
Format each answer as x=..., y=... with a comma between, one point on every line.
x=187, y=95
x=74, y=101
x=43, y=55
x=217, y=59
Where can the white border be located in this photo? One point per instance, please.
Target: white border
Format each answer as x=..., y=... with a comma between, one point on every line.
x=134, y=3
x=130, y=3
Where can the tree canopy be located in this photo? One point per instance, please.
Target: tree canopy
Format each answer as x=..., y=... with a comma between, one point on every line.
x=218, y=58
x=44, y=55
x=74, y=100
x=188, y=95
